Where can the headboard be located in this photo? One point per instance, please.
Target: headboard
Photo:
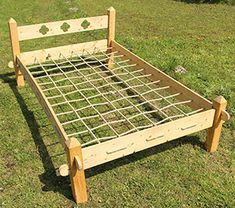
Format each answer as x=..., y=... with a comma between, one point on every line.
x=43, y=30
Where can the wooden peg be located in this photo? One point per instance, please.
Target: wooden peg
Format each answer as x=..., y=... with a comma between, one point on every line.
x=63, y=170
x=212, y=141
x=78, y=163
x=225, y=115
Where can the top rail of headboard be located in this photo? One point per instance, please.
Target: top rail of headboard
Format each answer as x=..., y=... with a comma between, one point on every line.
x=27, y=32
x=62, y=27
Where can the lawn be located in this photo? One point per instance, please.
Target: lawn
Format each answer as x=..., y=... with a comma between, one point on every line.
x=167, y=33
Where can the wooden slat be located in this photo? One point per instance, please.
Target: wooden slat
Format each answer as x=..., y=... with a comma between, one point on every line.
x=120, y=147
x=43, y=55
x=43, y=101
x=54, y=28
x=175, y=86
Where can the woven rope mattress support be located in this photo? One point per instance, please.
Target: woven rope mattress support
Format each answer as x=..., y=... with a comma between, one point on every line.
x=105, y=102
x=63, y=78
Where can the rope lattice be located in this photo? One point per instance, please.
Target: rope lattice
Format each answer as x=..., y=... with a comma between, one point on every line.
x=95, y=103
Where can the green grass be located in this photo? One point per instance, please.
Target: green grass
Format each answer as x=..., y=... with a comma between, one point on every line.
x=166, y=33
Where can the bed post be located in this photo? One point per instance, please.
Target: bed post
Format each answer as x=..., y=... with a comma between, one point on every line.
x=15, y=46
x=213, y=135
x=76, y=173
x=111, y=33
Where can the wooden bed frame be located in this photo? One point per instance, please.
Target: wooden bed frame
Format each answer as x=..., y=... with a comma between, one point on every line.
x=207, y=115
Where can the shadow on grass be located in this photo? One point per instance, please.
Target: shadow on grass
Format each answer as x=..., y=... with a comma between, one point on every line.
x=203, y=1
x=48, y=178
x=194, y=140
x=61, y=184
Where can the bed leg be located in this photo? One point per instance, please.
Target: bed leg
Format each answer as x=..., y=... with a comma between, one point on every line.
x=111, y=34
x=15, y=46
x=213, y=135
x=77, y=175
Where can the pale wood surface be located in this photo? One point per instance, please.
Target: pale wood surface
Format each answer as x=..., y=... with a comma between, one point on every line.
x=43, y=101
x=111, y=33
x=165, y=80
x=67, y=50
x=54, y=28
x=225, y=115
x=15, y=46
x=77, y=176
x=78, y=163
x=116, y=148
x=80, y=159
x=213, y=136
x=63, y=170
x=111, y=25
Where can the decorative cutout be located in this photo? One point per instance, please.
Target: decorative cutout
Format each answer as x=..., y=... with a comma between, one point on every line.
x=65, y=27
x=44, y=30
x=85, y=24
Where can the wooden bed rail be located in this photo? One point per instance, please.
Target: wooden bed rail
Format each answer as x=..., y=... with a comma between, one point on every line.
x=43, y=101
x=104, y=152
x=43, y=55
x=72, y=145
x=175, y=86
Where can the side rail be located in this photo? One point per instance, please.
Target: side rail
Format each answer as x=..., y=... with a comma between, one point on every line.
x=175, y=86
x=43, y=101
x=72, y=146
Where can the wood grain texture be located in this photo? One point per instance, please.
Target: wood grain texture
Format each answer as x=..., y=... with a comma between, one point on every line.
x=213, y=136
x=15, y=46
x=42, y=55
x=120, y=147
x=77, y=176
x=54, y=28
x=111, y=33
x=111, y=25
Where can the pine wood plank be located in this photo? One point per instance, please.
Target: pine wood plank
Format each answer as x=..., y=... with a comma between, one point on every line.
x=54, y=28
x=126, y=145
x=15, y=46
x=213, y=136
x=43, y=55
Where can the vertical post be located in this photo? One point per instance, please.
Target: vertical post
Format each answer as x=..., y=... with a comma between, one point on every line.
x=15, y=46
x=77, y=175
x=213, y=135
x=111, y=33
